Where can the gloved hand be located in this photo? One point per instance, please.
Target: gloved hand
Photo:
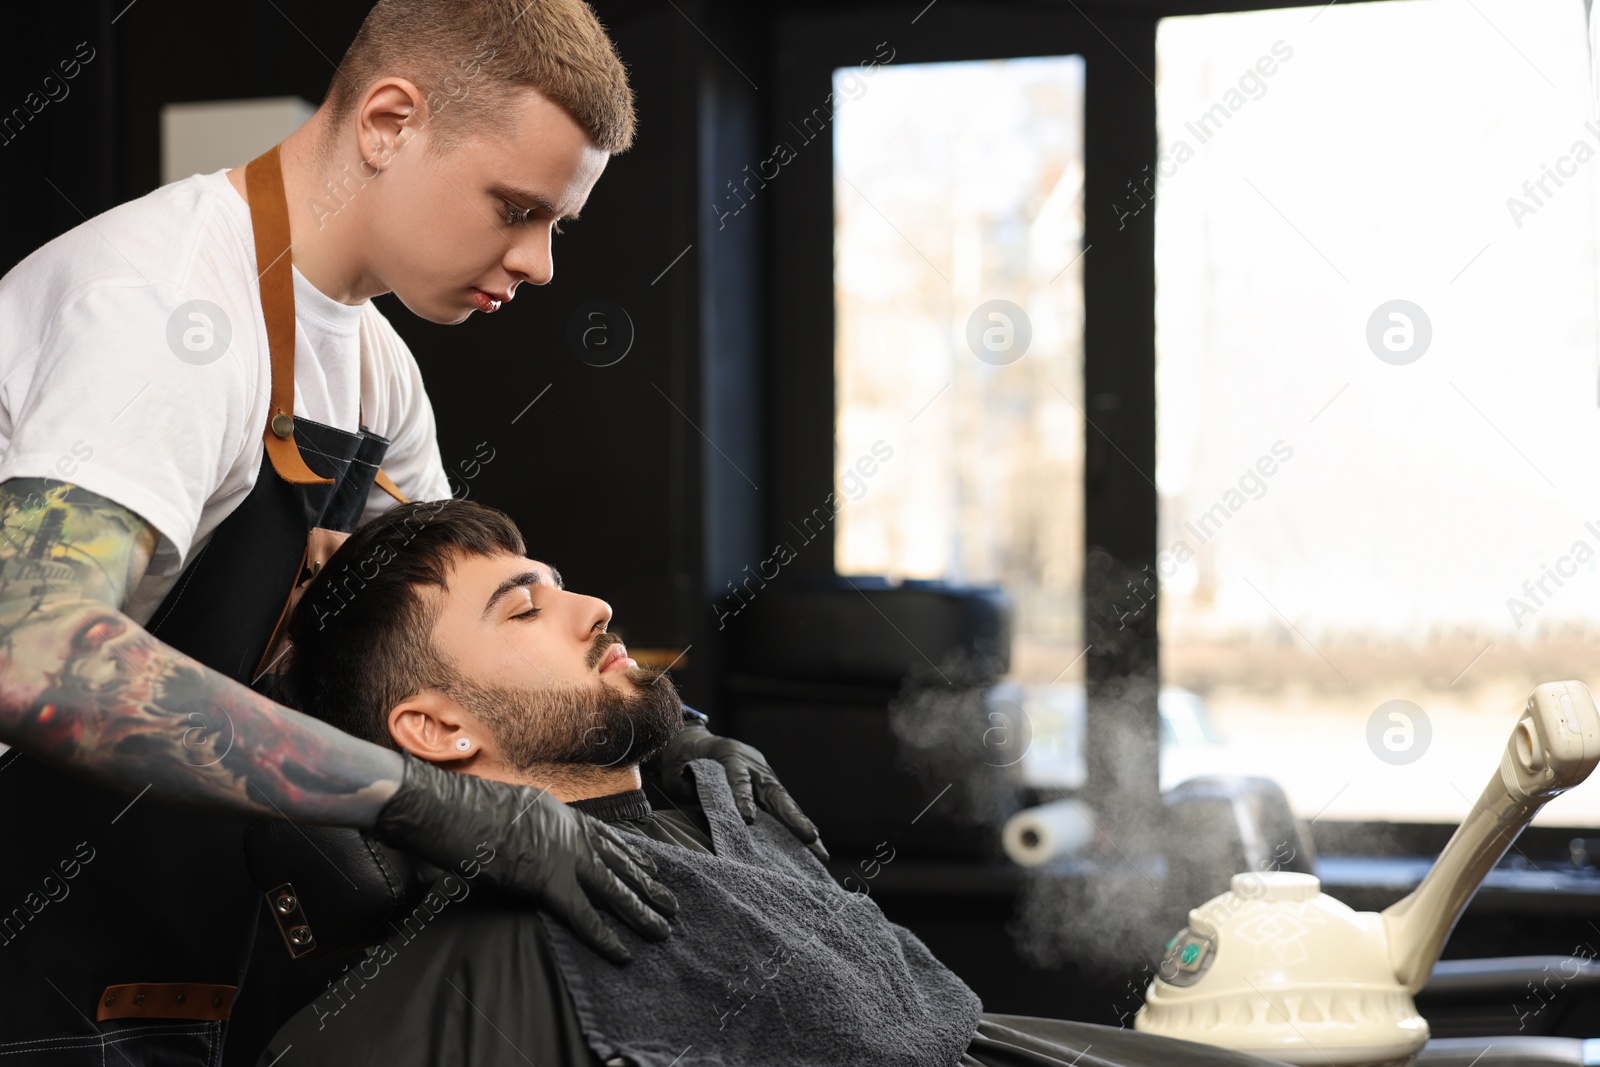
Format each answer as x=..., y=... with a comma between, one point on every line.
x=542, y=849
x=749, y=775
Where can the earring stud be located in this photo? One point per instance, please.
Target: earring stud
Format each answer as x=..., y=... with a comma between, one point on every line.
x=463, y=743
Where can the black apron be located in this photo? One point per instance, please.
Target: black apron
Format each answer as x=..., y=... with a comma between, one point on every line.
x=100, y=888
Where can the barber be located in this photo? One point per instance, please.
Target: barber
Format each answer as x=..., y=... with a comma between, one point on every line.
x=165, y=494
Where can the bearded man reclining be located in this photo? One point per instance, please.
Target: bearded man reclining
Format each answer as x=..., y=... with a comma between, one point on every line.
x=456, y=648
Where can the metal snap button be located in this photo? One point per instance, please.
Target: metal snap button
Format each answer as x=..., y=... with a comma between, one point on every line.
x=111, y=1000
x=283, y=425
x=138, y=998
x=182, y=998
x=216, y=1001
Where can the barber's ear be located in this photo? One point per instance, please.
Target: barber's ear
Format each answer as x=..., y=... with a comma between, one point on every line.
x=433, y=727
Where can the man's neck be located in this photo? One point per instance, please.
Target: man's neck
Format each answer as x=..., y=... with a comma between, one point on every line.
x=578, y=781
x=326, y=248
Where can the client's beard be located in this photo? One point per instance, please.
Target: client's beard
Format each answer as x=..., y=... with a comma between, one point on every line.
x=594, y=725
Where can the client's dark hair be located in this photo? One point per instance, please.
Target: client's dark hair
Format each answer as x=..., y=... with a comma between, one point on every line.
x=362, y=633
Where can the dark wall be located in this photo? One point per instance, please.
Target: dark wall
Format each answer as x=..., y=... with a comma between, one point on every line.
x=60, y=141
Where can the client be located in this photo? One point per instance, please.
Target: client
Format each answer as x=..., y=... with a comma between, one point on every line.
x=439, y=637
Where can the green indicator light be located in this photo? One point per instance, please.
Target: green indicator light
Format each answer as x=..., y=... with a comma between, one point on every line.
x=1191, y=952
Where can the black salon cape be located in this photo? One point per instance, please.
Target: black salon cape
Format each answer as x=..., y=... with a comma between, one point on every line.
x=479, y=986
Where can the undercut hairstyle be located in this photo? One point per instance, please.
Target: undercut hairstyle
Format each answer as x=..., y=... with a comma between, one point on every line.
x=467, y=57
x=361, y=636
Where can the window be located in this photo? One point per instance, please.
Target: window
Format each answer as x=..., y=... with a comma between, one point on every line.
x=1377, y=392
x=958, y=192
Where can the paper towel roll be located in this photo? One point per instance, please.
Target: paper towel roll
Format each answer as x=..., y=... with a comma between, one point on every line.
x=1035, y=836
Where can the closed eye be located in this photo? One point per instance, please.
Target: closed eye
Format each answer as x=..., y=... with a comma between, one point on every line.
x=529, y=614
x=515, y=216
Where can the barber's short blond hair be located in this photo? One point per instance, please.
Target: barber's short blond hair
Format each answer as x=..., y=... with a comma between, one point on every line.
x=467, y=57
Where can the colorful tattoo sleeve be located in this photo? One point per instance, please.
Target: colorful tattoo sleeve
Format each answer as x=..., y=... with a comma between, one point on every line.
x=85, y=688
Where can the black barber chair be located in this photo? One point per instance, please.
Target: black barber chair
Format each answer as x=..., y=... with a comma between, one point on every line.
x=357, y=888
x=362, y=887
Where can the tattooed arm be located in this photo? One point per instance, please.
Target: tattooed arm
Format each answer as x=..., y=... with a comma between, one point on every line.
x=84, y=687
x=87, y=689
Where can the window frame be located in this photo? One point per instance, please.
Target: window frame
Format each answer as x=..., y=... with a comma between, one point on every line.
x=1118, y=267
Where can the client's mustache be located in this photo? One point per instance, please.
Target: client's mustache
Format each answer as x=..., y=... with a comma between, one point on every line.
x=602, y=642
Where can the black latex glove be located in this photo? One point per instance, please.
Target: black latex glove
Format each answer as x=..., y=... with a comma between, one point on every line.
x=749, y=776
x=542, y=849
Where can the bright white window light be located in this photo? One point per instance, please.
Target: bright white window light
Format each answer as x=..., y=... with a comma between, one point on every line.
x=1376, y=274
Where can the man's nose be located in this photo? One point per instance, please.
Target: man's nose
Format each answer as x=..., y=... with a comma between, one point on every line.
x=593, y=615
x=529, y=256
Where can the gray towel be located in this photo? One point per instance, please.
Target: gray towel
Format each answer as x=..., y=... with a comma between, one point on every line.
x=771, y=962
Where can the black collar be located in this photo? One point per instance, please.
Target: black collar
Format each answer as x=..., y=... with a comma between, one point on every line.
x=614, y=807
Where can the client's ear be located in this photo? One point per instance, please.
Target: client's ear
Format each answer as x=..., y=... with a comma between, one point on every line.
x=434, y=727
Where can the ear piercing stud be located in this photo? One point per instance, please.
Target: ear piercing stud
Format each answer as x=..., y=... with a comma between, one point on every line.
x=463, y=743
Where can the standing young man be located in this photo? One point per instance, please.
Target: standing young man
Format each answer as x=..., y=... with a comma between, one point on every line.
x=191, y=419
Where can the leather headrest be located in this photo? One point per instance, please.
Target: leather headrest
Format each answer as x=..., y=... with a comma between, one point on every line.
x=344, y=887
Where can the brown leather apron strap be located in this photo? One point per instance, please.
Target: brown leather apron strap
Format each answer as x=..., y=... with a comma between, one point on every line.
x=165, y=1000
x=384, y=482
x=269, y=216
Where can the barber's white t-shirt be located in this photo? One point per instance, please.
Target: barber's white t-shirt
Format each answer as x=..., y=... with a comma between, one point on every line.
x=105, y=383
